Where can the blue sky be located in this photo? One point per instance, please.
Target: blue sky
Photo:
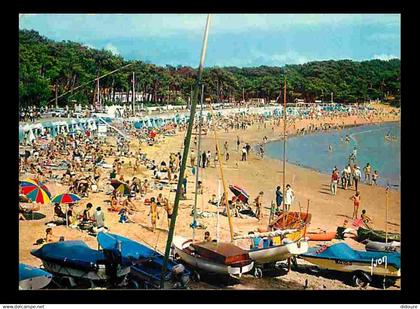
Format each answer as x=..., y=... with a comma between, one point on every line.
x=234, y=39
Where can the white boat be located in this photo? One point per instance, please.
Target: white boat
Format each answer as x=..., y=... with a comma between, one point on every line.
x=213, y=257
x=278, y=253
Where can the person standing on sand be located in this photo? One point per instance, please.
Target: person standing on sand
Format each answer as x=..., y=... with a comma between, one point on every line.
x=192, y=158
x=375, y=177
x=367, y=172
x=357, y=175
x=248, y=148
x=356, y=204
x=243, y=154
x=258, y=205
x=154, y=212
x=225, y=146
x=168, y=208
x=208, y=156
x=334, y=182
x=279, y=198
x=289, y=198
x=238, y=142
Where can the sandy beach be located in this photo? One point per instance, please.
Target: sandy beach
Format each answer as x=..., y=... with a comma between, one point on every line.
x=254, y=175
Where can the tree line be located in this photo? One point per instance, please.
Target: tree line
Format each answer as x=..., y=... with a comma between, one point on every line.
x=47, y=68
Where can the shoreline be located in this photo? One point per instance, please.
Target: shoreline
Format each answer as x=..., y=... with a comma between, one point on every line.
x=296, y=163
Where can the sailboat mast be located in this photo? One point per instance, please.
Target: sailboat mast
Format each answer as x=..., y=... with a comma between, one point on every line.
x=284, y=143
x=218, y=204
x=185, y=154
x=134, y=93
x=200, y=120
x=386, y=215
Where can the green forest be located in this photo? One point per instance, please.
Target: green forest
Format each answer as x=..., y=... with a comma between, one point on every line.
x=47, y=67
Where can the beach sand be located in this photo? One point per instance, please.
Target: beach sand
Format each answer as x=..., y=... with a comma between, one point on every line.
x=254, y=175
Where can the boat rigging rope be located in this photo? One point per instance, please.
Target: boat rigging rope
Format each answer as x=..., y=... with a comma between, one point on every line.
x=222, y=175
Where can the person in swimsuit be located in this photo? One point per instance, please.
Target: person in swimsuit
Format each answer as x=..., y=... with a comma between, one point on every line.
x=168, y=207
x=154, y=213
x=356, y=204
x=258, y=204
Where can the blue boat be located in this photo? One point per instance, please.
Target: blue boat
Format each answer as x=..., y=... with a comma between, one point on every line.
x=76, y=261
x=146, y=263
x=32, y=278
x=363, y=265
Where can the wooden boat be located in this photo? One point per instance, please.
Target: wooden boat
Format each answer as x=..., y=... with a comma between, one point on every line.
x=213, y=257
x=321, y=236
x=393, y=246
x=340, y=257
x=278, y=253
x=292, y=220
x=269, y=253
x=376, y=235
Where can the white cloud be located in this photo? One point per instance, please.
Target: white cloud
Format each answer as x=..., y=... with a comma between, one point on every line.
x=112, y=49
x=385, y=57
x=289, y=57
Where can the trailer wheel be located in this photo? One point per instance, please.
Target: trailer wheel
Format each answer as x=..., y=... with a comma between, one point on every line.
x=258, y=272
x=133, y=284
x=361, y=280
x=294, y=262
x=388, y=282
x=195, y=276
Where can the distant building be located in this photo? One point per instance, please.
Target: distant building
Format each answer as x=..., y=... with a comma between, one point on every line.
x=257, y=101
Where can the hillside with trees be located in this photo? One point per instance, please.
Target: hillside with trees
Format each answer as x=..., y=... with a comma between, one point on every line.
x=46, y=66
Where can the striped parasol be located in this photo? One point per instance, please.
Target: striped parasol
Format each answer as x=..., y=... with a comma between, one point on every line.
x=239, y=193
x=35, y=190
x=66, y=198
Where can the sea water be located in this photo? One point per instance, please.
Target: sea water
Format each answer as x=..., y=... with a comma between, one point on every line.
x=312, y=150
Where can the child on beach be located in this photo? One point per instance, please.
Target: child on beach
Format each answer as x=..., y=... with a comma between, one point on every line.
x=366, y=220
x=356, y=204
x=375, y=177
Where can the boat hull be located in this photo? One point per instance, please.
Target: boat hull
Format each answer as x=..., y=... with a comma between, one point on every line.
x=98, y=275
x=278, y=253
x=321, y=236
x=350, y=267
x=382, y=246
x=180, y=244
x=34, y=283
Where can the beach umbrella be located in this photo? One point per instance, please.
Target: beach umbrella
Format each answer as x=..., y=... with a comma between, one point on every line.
x=120, y=186
x=239, y=193
x=66, y=198
x=35, y=190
